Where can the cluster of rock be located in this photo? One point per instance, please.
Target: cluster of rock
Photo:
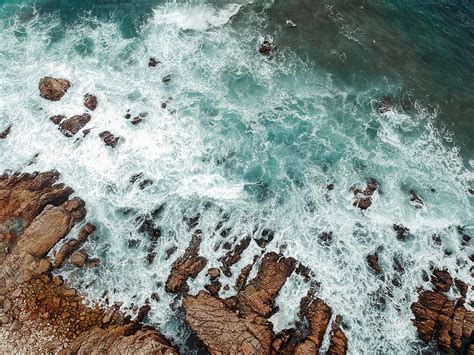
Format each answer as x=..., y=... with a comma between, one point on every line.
x=443, y=317
x=36, y=213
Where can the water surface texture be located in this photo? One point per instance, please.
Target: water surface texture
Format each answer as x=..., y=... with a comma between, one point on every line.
x=251, y=142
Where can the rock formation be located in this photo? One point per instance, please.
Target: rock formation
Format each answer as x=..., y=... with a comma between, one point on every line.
x=39, y=311
x=364, y=198
x=5, y=132
x=443, y=318
x=90, y=101
x=53, y=89
x=109, y=139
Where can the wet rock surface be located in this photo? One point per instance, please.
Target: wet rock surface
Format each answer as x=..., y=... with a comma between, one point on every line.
x=364, y=198
x=239, y=324
x=40, y=314
x=4, y=134
x=109, y=139
x=443, y=318
x=69, y=127
x=53, y=89
x=90, y=101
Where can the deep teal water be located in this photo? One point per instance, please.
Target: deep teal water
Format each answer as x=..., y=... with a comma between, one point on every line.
x=250, y=142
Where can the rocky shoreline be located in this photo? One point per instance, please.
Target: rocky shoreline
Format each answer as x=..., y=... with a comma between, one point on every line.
x=39, y=313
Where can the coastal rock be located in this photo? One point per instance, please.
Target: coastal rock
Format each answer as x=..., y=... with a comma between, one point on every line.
x=189, y=265
x=233, y=256
x=57, y=119
x=74, y=124
x=53, y=89
x=266, y=48
x=439, y=317
x=152, y=62
x=90, y=101
x=109, y=139
x=72, y=245
x=5, y=132
x=79, y=258
x=401, y=230
x=364, y=198
x=338, y=339
x=373, y=262
x=384, y=104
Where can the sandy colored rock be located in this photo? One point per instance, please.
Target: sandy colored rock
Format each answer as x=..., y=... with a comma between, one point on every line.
x=79, y=258
x=53, y=89
x=233, y=256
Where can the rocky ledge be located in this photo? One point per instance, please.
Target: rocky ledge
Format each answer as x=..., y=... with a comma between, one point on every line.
x=39, y=313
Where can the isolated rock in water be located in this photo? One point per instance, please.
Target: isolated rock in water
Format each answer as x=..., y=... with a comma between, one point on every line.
x=233, y=256
x=442, y=318
x=90, y=101
x=152, y=62
x=136, y=120
x=401, y=230
x=384, y=105
x=364, y=198
x=266, y=48
x=80, y=258
x=415, y=200
x=109, y=139
x=224, y=331
x=373, y=262
x=5, y=132
x=53, y=89
x=187, y=266
x=74, y=124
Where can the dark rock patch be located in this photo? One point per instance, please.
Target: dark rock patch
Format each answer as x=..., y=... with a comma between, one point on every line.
x=53, y=89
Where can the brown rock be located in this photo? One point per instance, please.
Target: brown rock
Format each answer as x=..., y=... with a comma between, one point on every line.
x=373, y=262
x=441, y=280
x=72, y=245
x=79, y=258
x=243, y=276
x=187, y=266
x=364, y=198
x=57, y=119
x=233, y=256
x=258, y=296
x=266, y=48
x=109, y=139
x=5, y=132
x=90, y=101
x=213, y=273
x=338, y=340
x=214, y=287
x=53, y=89
x=222, y=330
x=74, y=124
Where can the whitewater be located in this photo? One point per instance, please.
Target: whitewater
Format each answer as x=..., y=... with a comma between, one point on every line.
x=247, y=143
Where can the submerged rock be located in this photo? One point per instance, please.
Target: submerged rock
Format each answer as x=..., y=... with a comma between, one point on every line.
x=5, y=132
x=364, y=198
x=152, y=62
x=53, y=89
x=90, y=101
x=79, y=258
x=233, y=256
x=373, y=261
x=74, y=124
x=266, y=48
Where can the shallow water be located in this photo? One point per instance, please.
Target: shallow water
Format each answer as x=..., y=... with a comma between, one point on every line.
x=250, y=142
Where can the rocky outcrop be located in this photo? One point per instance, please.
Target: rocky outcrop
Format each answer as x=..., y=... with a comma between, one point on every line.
x=5, y=132
x=364, y=198
x=152, y=62
x=73, y=245
x=233, y=256
x=53, y=89
x=239, y=324
x=266, y=48
x=90, y=101
x=189, y=265
x=442, y=318
x=373, y=262
x=35, y=214
x=74, y=124
x=109, y=139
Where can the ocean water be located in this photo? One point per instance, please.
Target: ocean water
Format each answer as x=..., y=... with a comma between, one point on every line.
x=249, y=143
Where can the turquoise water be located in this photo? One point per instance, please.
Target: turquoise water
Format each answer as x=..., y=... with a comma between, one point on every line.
x=253, y=141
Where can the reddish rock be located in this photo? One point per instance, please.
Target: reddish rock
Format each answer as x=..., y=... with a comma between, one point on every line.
x=79, y=258
x=57, y=119
x=214, y=273
x=338, y=340
x=90, y=101
x=233, y=256
x=53, y=89
x=373, y=262
x=74, y=124
x=384, y=104
x=187, y=266
x=364, y=198
x=224, y=331
x=5, y=132
x=109, y=139
x=72, y=245
x=441, y=280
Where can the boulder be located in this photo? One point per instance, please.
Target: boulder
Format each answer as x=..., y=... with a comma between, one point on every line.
x=373, y=261
x=74, y=124
x=266, y=48
x=152, y=62
x=5, y=132
x=233, y=256
x=109, y=139
x=364, y=198
x=79, y=258
x=72, y=245
x=90, y=101
x=53, y=89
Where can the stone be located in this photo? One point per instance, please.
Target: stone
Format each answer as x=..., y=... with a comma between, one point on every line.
x=266, y=48
x=152, y=62
x=136, y=120
x=233, y=256
x=5, y=132
x=214, y=273
x=401, y=230
x=71, y=126
x=90, y=101
x=70, y=292
x=109, y=139
x=16, y=293
x=373, y=262
x=187, y=266
x=7, y=305
x=57, y=119
x=53, y=89
x=384, y=104
x=79, y=258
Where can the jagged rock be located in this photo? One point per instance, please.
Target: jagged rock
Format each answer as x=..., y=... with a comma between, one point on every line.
x=79, y=258
x=258, y=296
x=234, y=256
x=401, y=230
x=72, y=245
x=187, y=266
x=243, y=276
x=384, y=104
x=166, y=78
x=338, y=340
x=373, y=262
x=415, y=200
x=53, y=89
x=152, y=62
x=57, y=119
x=121, y=340
x=5, y=132
x=109, y=139
x=214, y=287
x=266, y=48
x=222, y=330
x=74, y=124
x=214, y=273
x=265, y=238
x=439, y=317
x=364, y=198
x=90, y=101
